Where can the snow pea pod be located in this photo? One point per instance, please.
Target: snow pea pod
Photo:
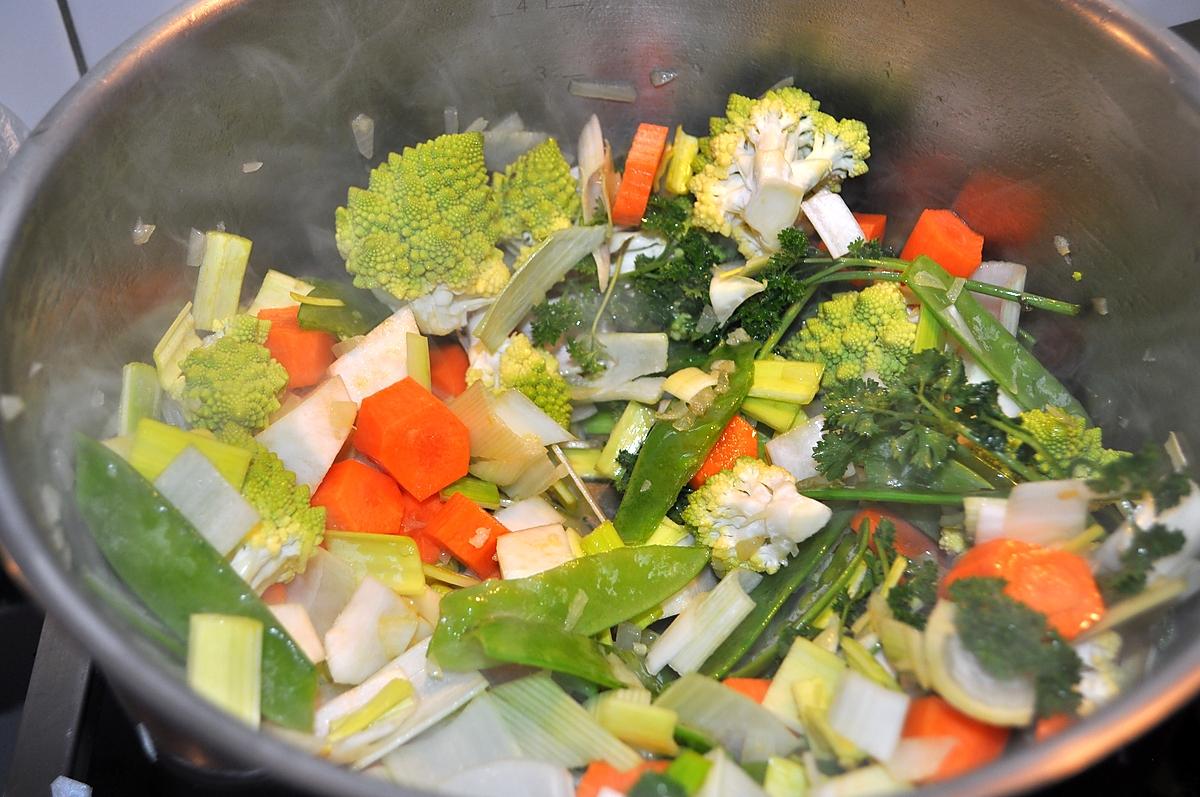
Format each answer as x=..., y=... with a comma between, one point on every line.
x=583, y=596
x=547, y=647
x=772, y=593
x=670, y=456
x=359, y=313
x=177, y=573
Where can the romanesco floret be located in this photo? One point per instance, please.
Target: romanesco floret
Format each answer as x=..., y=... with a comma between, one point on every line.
x=764, y=157
x=232, y=382
x=427, y=218
x=752, y=516
x=857, y=335
x=278, y=548
x=1070, y=447
x=537, y=194
x=520, y=366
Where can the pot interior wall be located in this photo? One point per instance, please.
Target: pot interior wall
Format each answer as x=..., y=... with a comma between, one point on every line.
x=1032, y=119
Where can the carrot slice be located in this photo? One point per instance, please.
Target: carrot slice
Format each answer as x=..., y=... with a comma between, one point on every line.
x=468, y=533
x=304, y=353
x=753, y=688
x=275, y=594
x=414, y=437
x=873, y=225
x=737, y=440
x=417, y=515
x=641, y=164
x=1057, y=583
x=601, y=774
x=975, y=743
x=943, y=236
x=911, y=542
x=1045, y=727
x=447, y=368
x=357, y=497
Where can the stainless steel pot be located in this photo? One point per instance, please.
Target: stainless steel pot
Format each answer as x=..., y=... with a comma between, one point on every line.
x=1031, y=118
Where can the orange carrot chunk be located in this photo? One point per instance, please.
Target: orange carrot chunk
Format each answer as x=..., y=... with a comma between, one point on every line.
x=417, y=515
x=873, y=225
x=1057, y=583
x=641, y=164
x=447, y=368
x=357, y=497
x=304, y=353
x=737, y=440
x=468, y=533
x=943, y=236
x=414, y=437
x=601, y=774
x=753, y=688
x=975, y=743
x=1045, y=727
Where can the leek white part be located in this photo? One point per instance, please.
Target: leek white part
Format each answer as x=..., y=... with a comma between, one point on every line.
x=528, y=514
x=323, y=589
x=141, y=232
x=475, y=737
x=295, y=620
x=1005, y=275
x=805, y=661
x=725, y=779
x=1043, y=512
x=380, y=360
x=744, y=728
x=525, y=418
x=363, y=128
x=793, y=450
x=552, y=727
x=353, y=646
x=984, y=517
x=866, y=782
x=918, y=758
x=210, y=503
x=195, y=248
x=591, y=161
x=833, y=221
x=276, y=292
x=687, y=382
x=1183, y=517
x=701, y=628
x=532, y=551
x=611, y=90
x=869, y=715
x=527, y=778
x=726, y=294
x=633, y=355
x=219, y=284
x=698, y=586
x=310, y=436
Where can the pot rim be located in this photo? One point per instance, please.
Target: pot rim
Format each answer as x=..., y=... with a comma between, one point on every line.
x=1067, y=753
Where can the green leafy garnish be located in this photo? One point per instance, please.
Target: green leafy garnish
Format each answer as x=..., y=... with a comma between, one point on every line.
x=1146, y=547
x=552, y=320
x=913, y=598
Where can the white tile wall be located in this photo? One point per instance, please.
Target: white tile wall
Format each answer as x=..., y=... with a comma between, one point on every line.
x=36, y=64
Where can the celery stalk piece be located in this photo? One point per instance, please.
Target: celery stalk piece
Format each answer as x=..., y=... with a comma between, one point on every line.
x=484, y=493
x=395, y=697
x=418, y=360
x=604, y=538
x=786, y=380
x=224, y=663
x=584, y=460
x=929, y=332
x=779, y=415
x=219, y=286
x=805, y=661
x=140, y=396
x=701, y=627
x=179, y=339
x=545, y=266
x=744, y=728
x=646, y=727
x=276, y=292
x=785, y=778
x=391, y=559
x=156, y=444
x=862, y=662
x=689, y=769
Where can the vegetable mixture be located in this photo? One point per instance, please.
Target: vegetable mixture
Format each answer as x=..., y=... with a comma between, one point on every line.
x=666, y=479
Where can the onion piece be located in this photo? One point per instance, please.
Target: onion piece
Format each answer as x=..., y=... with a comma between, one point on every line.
x=1043, y=512
x=611, y=90
x=793, y=450
x=363, y=128
x=478, y=126
x=141, y=232
x=11, y=407
x=250, y=167
x=633, y=355
x=833, y=221
x=661, y=77
x=528, y=514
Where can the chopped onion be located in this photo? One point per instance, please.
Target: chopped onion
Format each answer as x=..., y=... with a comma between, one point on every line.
x=525, y=418
x=832, y=220
x=195, y=248
x=508, y=140
x=249, y=167
x=1100, y=305
x=528, y=514
x=612, y=90
x=1062, y=246
x=869, y=715
x=793, y=450
x=661, y=77
x=706, y=622
x=363, y=128
x=450, y=119
x=1043, y=512
x=478, y=126
x=983, y=518
x=11, y=407
x=536, y=479
x=142, y=232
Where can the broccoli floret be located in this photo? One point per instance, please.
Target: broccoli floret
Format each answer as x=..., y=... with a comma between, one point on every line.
x=537, y=194
x=532, y=371
x=764, y=157
x=1068, y=446
x=231, y=382
x=427, y=218
x=1011, y=640
x=752, y=516
x=857, y=335
x=278, y=548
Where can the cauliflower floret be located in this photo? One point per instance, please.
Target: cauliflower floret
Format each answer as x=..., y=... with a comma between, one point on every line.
x=1071, y=447
x=278, y=548
x=231, y=382
x=857, y=334
x=517, y=364
x=752, y=516
x=537, y=194
x=764, y=157
x=427, y=218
